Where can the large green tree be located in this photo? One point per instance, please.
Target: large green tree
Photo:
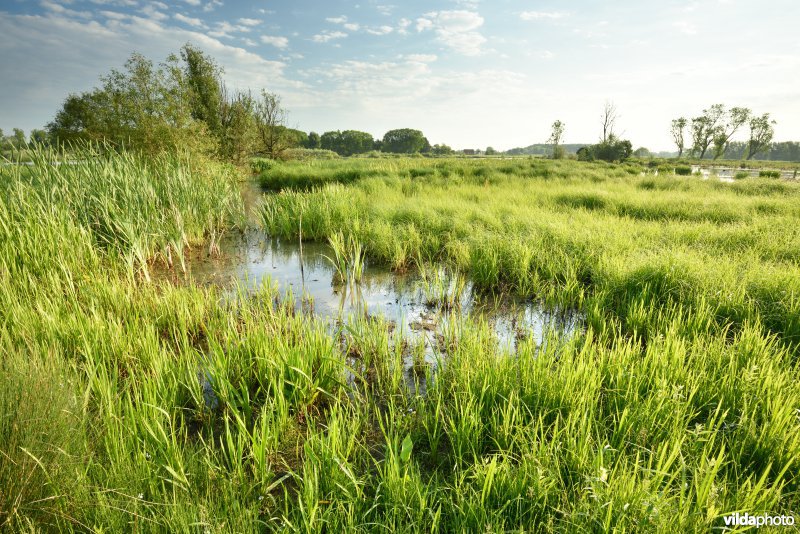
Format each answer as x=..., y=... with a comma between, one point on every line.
x=143, y=107
x=404, y=141
x=203, y=78
x=348, y=142
x=761, y=133
x=736, y=117
x=704, y=128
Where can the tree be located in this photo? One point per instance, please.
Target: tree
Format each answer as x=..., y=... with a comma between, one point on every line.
x=404, y=141
x=38, y=137
x=613, y=149
x=143, y=107
x=678, y=126
x=313, y=140
x=609, y=120
x=441, y=150
x=705, y=127
x=761, y=133
x=348, y=142
x=19, y=138
x=490, y=151
x=206, y=93
x=237, y=128
x=722, y=136
x=642, y=152
x=556, y=133
x=271, y=125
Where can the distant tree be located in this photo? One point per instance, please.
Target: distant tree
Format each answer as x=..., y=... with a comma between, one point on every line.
x=313, y=140
x=678, y=126
x=355, y=142
x=609, y=120
x=441, y=150
x=490, y=151
x=271, y=125
x=19, y=138
x=722, y=136
x=556, y=133
x=38, y=137
x=404, y=141
x=297, y=138
x=705, y=127
x=642, y=152
x=761, y=133
x=348, y=142
x=613, y=149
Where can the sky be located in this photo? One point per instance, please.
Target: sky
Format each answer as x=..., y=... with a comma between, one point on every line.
x=468, y=73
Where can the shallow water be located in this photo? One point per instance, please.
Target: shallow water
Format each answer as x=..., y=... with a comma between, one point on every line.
x=248, y=259
x=727, y=174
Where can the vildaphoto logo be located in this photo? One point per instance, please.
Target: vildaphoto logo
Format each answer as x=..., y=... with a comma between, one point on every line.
x=758, y=521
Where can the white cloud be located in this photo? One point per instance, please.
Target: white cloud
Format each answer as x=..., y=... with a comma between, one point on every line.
x=119, y=3
x=212, y=5
x=455, y=29
x=191, y=21
x=250, y=22
x=193, y=2
x=351, y=26
x=542, y=15
x=424, y=24
x=382, y=30
x=151, y=12
x=326, y=36
x=61, y=10
x=337, y=20
x=276, y=41
x=403, y=25
x=226, y=29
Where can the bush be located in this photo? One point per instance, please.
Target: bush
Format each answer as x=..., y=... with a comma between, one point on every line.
x=683, y=170
x=769, y=174
x=741, y=175
x=611, y=150
x=304, y=154
x=260, y=165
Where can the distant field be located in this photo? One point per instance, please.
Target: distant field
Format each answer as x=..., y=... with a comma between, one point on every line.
x=129, y=404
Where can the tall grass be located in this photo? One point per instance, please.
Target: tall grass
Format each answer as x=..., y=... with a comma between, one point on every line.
x=127, y=405
x=563, y=228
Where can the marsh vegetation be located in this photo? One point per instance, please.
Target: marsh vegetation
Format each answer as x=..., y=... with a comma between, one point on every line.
x=134, y=397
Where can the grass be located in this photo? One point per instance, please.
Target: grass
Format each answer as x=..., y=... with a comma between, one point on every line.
x=128, y=405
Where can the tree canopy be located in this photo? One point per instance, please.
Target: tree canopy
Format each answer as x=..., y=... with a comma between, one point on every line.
x=405, y=141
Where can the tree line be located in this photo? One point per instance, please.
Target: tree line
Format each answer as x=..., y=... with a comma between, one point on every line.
x=183, y=104
x=711, y=133
x=353, y=142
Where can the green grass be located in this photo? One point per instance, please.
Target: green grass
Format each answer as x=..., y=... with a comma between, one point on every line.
x=677, y=405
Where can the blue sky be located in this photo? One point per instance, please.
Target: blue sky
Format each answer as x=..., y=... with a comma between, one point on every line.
x=469, y=73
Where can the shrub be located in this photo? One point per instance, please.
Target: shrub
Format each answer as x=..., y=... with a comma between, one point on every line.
x=741, y=175
x=683, y=170
x=769, y=174
x=304, y=154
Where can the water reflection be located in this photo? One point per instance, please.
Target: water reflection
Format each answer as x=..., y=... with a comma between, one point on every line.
x=417, y=327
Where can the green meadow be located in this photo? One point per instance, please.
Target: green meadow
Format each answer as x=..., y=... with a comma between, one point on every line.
x=128, y=403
